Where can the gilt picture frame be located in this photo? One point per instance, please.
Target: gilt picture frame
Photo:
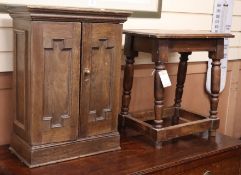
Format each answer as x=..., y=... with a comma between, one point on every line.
x=140, y=8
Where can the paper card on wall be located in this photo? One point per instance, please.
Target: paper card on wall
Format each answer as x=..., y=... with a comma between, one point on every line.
x=92, y=3
x=166, y=82
x=222, y=21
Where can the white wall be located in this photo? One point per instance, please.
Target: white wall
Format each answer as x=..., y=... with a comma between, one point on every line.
x=6, y=43
x=176, y=15
x=235, y=45
x=190, y=15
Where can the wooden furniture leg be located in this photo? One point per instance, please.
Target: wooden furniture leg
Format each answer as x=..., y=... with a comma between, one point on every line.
x=215, y=85
x=158, y=95
x=181, y=77
x=128, y=78
x=159, y=56
x=165, y=124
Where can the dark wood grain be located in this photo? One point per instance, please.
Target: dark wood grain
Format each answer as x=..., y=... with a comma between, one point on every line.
x=21, y=78
x=159, y=55
x=189, y=155
x=142, y=44
x=192, y=34
x=128, y=78
x=70, y=14
x=189, y=123
x=55, y=82
x=67, y=65
x=215, y=81
x=181, y=77
x=158, y=94
x=100, y=86
x=159, y=43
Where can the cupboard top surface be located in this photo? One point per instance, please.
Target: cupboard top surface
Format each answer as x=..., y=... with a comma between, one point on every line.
x=55, y=13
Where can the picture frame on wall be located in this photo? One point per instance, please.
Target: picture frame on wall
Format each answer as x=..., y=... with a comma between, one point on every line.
x=140, y=8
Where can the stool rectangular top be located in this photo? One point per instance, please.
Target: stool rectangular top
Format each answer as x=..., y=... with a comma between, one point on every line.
x=178, y=34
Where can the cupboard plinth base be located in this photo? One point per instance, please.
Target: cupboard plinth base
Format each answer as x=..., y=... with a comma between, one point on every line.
x=35, y=156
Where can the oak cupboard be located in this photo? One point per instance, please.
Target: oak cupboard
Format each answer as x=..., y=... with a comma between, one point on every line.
x=66, y=82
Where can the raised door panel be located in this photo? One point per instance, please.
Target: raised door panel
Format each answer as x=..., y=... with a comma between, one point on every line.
x=55, y=81
x=101, y=56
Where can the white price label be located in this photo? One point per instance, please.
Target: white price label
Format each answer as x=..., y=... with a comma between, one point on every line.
x=166, y=82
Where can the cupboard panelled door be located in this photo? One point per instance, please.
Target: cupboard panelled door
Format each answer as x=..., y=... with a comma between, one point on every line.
x=55, y=81
x=100, y=77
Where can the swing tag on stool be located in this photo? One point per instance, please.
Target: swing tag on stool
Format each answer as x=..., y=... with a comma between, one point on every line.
x=166, y=82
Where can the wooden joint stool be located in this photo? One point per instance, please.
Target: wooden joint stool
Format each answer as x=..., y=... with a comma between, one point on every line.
x=171, y=122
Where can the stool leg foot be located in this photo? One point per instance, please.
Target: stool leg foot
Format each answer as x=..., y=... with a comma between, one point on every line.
x=158, y=144
x=121, y=122
x=212, y=133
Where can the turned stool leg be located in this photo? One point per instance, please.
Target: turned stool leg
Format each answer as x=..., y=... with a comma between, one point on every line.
x=181, y=77
x=215, y=88
x=159, y=56
x=128, y=78
x=127, y=85
x=158, y=94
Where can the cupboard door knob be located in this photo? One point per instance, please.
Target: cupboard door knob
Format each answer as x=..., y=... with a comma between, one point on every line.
x=86, y=74
x=208, y=173
x=86, y=71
